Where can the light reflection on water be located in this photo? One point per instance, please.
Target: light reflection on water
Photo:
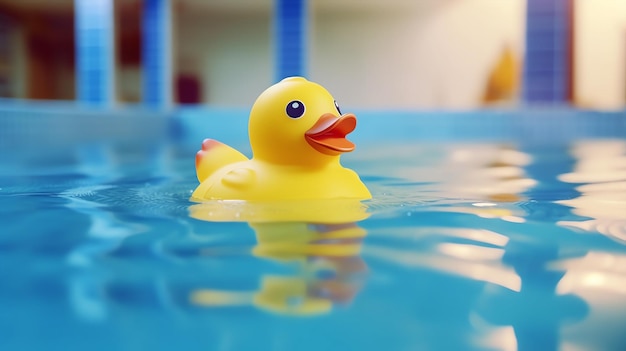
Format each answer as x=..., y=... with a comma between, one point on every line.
x=528, y=272
x=478, y=246
x=600, y=175
x=322, y=239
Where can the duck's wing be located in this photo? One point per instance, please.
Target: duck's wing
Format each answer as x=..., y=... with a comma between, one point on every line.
x=213, y=156
x=240, y=178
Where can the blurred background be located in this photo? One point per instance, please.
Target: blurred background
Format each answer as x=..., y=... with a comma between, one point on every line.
x=373, y=54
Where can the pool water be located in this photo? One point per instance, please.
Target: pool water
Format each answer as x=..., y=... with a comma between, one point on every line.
x=465, y=246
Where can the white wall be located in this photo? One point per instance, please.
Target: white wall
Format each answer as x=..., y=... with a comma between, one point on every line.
x=600, y=54
x=425, y=54
x=406, y=54
x=230, y=51
x=426, y=57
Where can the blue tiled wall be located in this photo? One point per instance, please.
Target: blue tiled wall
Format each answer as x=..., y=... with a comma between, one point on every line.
x=156, y=54
x=545, y=70
x=94, y=52
x=291, y=24
x=546, y=62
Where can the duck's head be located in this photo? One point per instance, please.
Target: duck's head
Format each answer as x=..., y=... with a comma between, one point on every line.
x=297, y=122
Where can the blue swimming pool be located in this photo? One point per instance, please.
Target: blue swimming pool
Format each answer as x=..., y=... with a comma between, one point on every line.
x=493, y=230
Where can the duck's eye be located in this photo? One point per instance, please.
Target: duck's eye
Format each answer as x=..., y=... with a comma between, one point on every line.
x=337, y=106
x=295, y=109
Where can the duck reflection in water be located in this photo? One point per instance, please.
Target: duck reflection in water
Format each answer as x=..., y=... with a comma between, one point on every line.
x=321, y=238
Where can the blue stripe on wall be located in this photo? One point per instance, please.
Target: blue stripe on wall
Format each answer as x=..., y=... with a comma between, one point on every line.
x=546, y=63
x=290, y=37
x=94, y=52
x=156, y=54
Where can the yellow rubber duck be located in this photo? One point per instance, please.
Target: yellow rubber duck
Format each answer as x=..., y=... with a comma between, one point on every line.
x=297, y=134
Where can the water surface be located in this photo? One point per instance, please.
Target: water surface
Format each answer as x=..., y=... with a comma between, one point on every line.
x=475, y=246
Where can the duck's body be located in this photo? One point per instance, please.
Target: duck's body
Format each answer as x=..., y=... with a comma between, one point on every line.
x=295, y=158
x=258, y=180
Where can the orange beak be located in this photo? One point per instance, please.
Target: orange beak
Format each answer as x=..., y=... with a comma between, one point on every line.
x=328, y=134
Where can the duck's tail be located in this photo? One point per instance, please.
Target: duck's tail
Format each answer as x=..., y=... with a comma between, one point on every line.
x=213, y=156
